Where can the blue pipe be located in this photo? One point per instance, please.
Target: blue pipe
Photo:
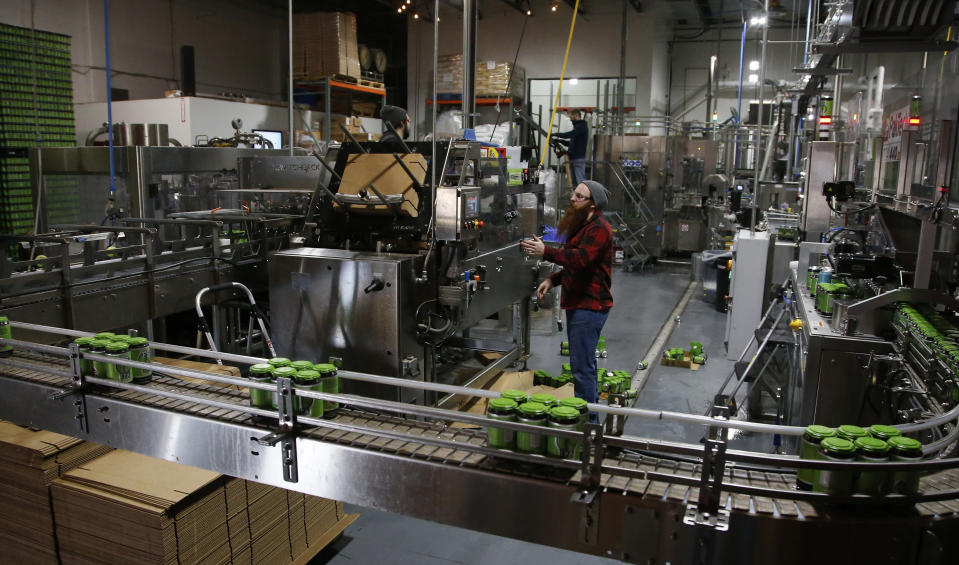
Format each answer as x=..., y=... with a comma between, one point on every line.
x=106, y=29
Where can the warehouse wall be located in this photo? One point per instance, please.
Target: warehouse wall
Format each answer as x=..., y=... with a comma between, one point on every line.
x=595, y=51
x=239, y=46
x=690, y=63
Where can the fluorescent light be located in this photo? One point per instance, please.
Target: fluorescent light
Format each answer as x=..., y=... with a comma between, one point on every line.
x=574, y=81
x=754, y=65
x=757, y=21
x=753, y=78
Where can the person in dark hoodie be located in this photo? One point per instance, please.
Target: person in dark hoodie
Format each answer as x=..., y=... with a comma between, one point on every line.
x=396, y=117
x=577, y=139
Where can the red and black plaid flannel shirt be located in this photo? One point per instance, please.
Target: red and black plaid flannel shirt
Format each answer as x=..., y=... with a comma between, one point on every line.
x=587, y=260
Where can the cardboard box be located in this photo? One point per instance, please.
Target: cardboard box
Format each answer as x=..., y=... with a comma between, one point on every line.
x=491, y=77
x=385, y=173
x=126, y=507
x=324, y=44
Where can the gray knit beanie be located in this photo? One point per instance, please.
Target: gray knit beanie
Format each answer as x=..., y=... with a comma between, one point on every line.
x=394, y=115
x=598, y=193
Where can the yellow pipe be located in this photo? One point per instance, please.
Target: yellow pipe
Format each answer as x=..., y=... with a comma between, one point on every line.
x=562, y=74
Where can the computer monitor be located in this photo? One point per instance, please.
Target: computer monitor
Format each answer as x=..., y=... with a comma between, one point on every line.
x=273, y=136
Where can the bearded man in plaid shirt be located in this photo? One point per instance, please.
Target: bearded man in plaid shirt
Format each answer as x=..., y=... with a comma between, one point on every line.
x=587, y=259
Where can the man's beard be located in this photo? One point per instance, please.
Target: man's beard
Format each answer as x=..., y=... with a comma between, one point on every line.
x=406, y=133
x=572, y=220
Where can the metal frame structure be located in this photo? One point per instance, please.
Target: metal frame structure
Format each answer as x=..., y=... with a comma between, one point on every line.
x=631, y=498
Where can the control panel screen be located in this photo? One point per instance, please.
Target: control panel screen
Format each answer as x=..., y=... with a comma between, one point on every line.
x=471, y=206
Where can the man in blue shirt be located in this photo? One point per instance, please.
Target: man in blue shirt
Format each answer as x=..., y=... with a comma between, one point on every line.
x=577, y=139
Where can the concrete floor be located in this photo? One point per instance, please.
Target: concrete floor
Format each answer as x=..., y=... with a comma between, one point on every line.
x=643, y=301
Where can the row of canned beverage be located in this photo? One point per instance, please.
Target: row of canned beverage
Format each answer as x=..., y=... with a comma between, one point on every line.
x=876, y=444
x=930, y=327
x=611, y=382
x=319, y=377
x=129, y=348
x=540, y=409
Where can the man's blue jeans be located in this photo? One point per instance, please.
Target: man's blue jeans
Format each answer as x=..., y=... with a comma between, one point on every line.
x=578, y=169
x=583, y=328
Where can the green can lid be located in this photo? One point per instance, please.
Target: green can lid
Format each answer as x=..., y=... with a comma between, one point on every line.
x=514, y=395
x=849, y=431
x=816, y=431
x=838, y=445
x=502, y=403
x=138, y=341
x=573, y=402
x=83, y=340
x=261, y=369
x=307, y=375
x=100, y=343
x=871, y=445
x=325, y=368
x=104, y=335
x=279, y=362
x=284, y=371
x=117, y=346
x=533, y=409
x=542, y=398
x=564, y=413
x=882, y=432
x=4, y=320
x=902, y=443
x=121, y=337
x=300, y=365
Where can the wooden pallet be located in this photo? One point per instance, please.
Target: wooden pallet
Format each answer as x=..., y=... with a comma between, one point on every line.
x=372, y=84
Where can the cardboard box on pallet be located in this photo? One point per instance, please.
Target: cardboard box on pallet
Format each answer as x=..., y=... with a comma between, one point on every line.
x=324, y=44
x=491, y=77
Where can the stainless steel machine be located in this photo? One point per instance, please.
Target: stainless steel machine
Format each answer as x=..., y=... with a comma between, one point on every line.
x=391, y=287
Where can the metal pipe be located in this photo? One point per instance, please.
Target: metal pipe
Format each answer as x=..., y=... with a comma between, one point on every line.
x=436, y=50
x=759, y=127
x=290, y=83
x=621, y=99
x=469, y=62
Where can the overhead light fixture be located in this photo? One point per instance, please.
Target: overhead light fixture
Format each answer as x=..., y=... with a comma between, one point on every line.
x=409, y=1
x=399, y=10
x=753, y=78
x=757, y=21
x=754, y=65
x=574, y=81
x=437, y=18
x=416, y=16
x=553, y=8
x=529, y=12
x=715, y=116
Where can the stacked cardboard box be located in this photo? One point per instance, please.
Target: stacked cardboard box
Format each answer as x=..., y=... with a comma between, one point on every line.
x=29, y=461
x=324, y=44
x=491, y=77
x=125, y=507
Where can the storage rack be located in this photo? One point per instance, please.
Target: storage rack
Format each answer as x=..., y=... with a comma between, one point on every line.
x=334, y=96
x=486, y=101
x=36, y=109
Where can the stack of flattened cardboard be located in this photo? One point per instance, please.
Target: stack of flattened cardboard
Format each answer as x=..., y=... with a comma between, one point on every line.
x=324, y=44
x=127, y=507
x=29, y=461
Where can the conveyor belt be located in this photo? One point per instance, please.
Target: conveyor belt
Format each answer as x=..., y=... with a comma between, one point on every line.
x=367, y=430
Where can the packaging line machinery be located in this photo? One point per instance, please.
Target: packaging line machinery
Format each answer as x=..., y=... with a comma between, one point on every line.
x=635, y=499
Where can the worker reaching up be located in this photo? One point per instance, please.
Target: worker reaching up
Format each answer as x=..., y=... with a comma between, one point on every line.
x=577, y=139
x=586, y=278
